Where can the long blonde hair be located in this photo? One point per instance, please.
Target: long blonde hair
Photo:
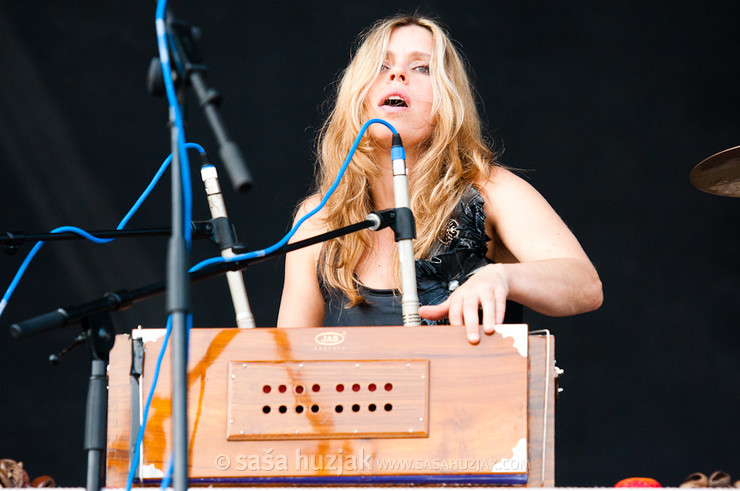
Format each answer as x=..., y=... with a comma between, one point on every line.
x=455, y=157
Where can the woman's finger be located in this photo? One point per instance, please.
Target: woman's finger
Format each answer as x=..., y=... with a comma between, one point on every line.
x=471, y=318
x=489, y=308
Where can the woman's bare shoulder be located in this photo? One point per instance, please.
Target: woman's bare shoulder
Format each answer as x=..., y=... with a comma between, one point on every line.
x=316, y=223
x=523, y=219
x=502, y=180
x=503, y=189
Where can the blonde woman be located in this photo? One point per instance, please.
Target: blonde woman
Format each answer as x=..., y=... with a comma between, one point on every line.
x=484, y=235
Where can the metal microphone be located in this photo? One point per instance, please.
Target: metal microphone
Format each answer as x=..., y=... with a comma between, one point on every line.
x=244, y=317
x=405, y=231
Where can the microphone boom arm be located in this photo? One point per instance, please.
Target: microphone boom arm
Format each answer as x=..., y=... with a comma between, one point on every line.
x=123, y=299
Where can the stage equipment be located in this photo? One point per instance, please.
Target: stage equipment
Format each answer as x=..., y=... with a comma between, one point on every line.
x=404, y=233
x=356, y=405
x=719, y=174
x=191, y=70
x=13, y=240
x=226, y=240
x=178, y=41
x=100, y=337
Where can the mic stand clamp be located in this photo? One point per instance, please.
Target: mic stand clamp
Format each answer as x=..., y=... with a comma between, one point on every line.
x=223, y=235
x=12, y=244
x=56, y=358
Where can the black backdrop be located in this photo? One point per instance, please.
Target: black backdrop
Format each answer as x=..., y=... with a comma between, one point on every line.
x=607, y=105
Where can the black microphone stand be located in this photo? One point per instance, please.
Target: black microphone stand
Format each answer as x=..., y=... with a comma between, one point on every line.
x=100, y=336
x=188, y=68
x=178, y=308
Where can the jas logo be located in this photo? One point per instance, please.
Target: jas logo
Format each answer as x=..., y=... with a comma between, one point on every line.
x=329, y=338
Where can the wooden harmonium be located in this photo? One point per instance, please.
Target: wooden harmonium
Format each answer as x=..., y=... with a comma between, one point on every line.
x=379, y=405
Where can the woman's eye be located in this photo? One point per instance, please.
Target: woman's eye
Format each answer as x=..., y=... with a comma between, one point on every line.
x=384, y=67
x=422, y=68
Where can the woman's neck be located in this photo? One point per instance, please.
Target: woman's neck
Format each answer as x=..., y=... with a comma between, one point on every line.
x=381, y=189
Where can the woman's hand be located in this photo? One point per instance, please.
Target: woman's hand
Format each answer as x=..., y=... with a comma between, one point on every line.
x=486, y=291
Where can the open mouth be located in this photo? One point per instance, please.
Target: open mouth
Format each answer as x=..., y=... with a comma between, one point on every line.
x=395, y=101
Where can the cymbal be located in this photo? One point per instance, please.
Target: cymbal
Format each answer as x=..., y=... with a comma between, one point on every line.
x=719, y=174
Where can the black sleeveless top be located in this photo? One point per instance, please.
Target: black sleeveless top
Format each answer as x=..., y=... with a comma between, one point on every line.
x=453, y=258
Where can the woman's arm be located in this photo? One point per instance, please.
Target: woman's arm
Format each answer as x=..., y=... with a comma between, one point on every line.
x=302, y=304
x=551, y=273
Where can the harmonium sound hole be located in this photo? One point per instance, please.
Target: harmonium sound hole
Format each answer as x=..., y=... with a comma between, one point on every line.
x=260, y=393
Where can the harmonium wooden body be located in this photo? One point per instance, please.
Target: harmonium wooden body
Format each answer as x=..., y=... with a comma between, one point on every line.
x=340, y=406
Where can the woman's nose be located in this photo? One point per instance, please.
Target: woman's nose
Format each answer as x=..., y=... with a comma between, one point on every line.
x=397, y=74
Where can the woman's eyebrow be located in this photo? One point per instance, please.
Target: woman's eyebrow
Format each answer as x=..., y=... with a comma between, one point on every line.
x=413, y=54
x=420, y=54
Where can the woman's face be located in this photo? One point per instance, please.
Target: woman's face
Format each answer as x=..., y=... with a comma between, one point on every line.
x=402, y=93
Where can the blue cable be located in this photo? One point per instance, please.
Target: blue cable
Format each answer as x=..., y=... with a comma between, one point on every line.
x=153, y=183
x=32, y=253
x=287, y=237
x=167, y=479
x=37, y=247
x=169, y=84
x=140, y=437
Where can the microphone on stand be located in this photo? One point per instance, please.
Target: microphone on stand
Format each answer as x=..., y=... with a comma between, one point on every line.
x=244, y=317
x=405, y=231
